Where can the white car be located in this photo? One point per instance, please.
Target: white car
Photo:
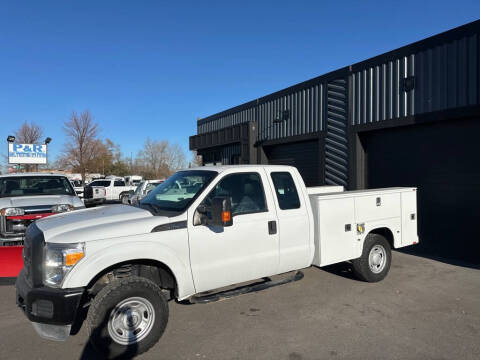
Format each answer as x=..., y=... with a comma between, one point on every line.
x=26, y=197
x=201, y=230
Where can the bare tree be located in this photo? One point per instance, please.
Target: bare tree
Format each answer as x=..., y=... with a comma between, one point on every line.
x=29, y=134
x=196, y=160
x=159, y=159
x=82, y=143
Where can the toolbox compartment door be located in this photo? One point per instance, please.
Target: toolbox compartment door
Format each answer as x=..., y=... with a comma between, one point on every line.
x=334, y=230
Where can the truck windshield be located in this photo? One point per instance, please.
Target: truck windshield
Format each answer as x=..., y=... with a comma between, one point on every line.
x=138, y=190
x=177, y=192
x=35, y=185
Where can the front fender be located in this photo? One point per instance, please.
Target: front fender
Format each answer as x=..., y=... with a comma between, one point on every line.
x=98, y=258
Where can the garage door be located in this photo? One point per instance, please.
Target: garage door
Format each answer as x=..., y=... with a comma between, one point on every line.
x=303, y=155
x=442, y=160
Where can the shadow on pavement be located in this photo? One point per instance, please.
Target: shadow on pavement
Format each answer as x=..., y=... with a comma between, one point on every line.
x=343, y=269
x=107, y=349
x=426, y=254
x=7, y=281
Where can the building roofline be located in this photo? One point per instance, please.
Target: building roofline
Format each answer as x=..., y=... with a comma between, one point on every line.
x=431, y=41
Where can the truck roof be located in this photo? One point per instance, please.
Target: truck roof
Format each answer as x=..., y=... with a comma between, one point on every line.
x=222, y=168
x=31, y=174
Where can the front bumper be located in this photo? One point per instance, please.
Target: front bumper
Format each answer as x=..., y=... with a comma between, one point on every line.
x=11, y=240
x=94, y=201
x=52, y=311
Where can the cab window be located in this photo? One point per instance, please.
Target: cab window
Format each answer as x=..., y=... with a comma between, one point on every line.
x=286, y=191
x=119, y=183
x=245, y=191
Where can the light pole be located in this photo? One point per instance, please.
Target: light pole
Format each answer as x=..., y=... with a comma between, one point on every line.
x=47, y=141
x=10, y=139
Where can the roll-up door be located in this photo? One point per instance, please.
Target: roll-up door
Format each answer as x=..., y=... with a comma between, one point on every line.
x=443, y=160
x=303, y=155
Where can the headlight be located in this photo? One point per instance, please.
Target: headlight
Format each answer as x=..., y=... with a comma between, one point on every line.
x=59, y=260
x=60, y=208
x=12, y=212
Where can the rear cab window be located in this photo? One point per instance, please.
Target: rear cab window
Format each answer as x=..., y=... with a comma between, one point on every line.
x=105, y=183
x=119, y=183
x=285, y=190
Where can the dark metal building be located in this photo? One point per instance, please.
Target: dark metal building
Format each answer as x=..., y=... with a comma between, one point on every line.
x=409, y=117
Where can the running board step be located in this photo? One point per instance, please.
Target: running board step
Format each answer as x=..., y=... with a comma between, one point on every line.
x=222, y=295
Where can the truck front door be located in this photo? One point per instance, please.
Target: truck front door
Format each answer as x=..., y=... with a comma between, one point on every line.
x=247, y=250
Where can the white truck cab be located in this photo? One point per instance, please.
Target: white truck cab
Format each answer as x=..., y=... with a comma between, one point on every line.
x=200, y=231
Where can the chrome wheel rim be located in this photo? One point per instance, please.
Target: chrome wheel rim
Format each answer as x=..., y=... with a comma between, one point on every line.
x=131, y=320
x=377, y=259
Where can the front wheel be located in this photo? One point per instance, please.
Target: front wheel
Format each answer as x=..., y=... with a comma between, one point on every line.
x=375, y=261
x=127, y=317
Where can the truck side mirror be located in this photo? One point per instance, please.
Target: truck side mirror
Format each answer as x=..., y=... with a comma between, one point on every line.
x=221, y=211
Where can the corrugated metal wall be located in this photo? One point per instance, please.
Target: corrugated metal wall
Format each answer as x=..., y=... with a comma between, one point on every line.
x=305, y=114
x=227, y=120
x=336, y=138
x=304, y=107
x=446, y=76
x=377, y=92
x=229, y=152
x=226, y=155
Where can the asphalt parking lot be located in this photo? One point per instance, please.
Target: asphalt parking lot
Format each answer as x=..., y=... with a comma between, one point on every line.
x=424, y=309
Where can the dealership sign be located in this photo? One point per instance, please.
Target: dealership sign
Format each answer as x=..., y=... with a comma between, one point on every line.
x=27, y=154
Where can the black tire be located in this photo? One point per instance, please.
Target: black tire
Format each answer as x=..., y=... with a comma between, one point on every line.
x=105, y=304
x=361, y=266
x=124, y=199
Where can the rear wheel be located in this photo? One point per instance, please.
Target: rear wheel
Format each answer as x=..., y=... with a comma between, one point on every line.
x=375, y=261
x=127, y=317
x=124, y=199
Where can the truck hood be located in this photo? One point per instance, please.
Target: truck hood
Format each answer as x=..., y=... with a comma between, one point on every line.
x=22, y=201
x=98, y=223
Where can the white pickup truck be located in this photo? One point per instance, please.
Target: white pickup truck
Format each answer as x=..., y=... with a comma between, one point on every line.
x=115, y=189
x=223, y=226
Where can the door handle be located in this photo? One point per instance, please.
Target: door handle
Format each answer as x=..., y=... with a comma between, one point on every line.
x=272, y=227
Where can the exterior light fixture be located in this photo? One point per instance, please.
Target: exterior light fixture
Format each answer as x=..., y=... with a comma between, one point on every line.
x=282, y=116
x=48, y=140
x=10, y=138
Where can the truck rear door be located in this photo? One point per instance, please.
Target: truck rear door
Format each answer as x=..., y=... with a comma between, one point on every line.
x=293, y=220
x=248, y=249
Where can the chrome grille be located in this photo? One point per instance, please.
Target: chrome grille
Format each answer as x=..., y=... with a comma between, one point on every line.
x=33, y=255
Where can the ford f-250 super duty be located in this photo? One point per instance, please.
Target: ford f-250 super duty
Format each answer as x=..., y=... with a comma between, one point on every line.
x=26, y=197
x=223, y=226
